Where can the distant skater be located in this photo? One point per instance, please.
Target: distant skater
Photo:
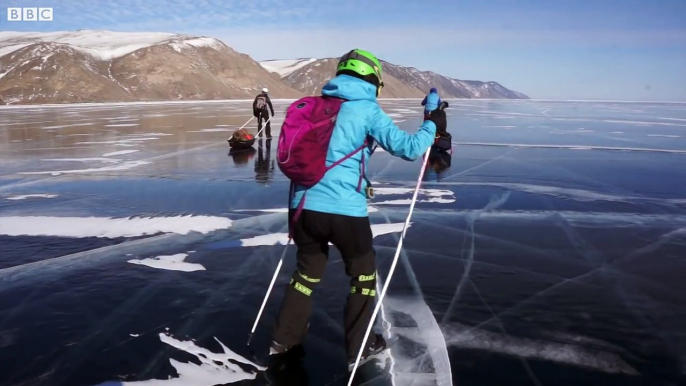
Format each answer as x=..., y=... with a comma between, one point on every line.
x=259, y=108
x=431, y=101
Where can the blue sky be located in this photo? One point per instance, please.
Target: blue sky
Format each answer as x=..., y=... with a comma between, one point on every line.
x=618, y=50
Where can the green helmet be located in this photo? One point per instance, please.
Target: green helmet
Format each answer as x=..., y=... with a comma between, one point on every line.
x=361, y=62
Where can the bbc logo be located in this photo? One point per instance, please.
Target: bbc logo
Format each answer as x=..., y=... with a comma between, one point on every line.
x=29, y=14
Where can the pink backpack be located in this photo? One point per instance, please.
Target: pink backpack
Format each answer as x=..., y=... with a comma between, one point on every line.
x=304, y=143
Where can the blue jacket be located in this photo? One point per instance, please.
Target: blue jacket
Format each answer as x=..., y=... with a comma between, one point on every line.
x=360, y=117
x=431, y=100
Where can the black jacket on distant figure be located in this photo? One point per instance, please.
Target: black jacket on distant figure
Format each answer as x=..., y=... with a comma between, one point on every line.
x=263, y=114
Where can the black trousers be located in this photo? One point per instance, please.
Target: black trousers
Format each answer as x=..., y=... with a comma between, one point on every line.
x=264, y=115
x=352, y=236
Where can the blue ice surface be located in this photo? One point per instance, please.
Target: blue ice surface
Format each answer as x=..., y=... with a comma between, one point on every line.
x=584, y=245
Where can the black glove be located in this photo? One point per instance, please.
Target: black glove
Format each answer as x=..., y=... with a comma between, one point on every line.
x=438, y=117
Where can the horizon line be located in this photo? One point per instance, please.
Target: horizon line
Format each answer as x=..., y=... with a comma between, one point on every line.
x=172, y=101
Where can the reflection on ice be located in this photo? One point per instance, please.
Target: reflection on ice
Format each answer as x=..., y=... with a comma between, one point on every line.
x=420, y=355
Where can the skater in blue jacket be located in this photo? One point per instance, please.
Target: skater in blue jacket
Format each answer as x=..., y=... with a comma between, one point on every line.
x=431, y=101
x=336, y=208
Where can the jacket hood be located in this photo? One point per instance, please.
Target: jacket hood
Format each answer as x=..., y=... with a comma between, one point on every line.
x=350, y=88
x=433, y=89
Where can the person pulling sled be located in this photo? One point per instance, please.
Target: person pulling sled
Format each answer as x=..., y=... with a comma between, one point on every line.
x=259, y=109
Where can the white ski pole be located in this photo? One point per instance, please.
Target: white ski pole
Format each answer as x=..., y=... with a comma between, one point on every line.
x=246, y=123
x=390, y=273
x=269, y=290
x=395, y=261
x=263, y=127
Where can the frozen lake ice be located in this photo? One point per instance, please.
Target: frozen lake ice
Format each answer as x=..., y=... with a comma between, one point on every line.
x=134, y=245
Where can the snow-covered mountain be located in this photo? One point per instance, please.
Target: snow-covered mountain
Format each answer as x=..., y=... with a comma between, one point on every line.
x=106, y=66
x=309, y=75
x=286, y=67
x=100, y=66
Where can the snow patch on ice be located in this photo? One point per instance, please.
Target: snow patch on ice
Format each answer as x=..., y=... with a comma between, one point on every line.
x=150, y=135
x=441, y=196
x=408, y=201
x=25, y=196
x=545, y=146
x=107, y=227
x=641, y=123
x=664, y=135
x=122, y=124
x=94, y=159
x=171, y=263
x=72, y=125
x=216, y=130
x=120, y=167
x=575, y=194
x=214, y=368
x=273, y=210
x=370, y=209
x=121, y=142
x=282, y=238
x=135, y=335
x=121, y=152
